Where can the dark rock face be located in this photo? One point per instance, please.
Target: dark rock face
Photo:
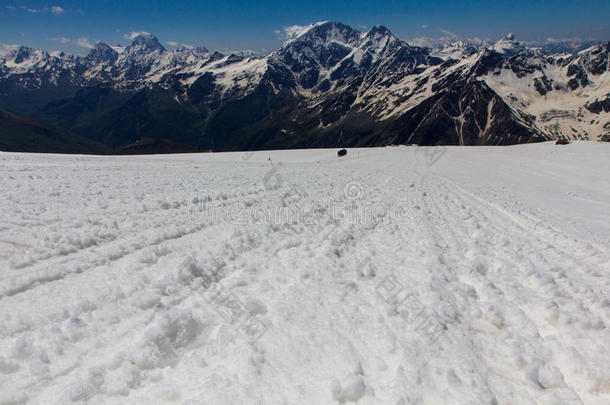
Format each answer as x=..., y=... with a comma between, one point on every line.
x=23, y=53
x=579, y=78
x=231, y=59
x=328, y=86
x=543, y=85
x=467, y=114
x=597, y=60
x=488, y=62
x=599, y=106
x=202, y=89
x=102, y=53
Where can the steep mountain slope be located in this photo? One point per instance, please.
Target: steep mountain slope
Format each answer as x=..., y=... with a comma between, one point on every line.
x=19, y=133
x=566, y=94
x=329, y=85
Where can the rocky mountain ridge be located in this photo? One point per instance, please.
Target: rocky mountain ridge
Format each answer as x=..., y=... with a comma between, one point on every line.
x=330, y=85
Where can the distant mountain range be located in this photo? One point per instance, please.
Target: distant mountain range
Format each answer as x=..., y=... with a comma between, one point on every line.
x=329, y=86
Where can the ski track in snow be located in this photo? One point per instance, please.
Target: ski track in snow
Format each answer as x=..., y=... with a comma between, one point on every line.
x=116, y=286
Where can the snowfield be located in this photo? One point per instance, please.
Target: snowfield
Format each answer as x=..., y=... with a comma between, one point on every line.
x=402, y=275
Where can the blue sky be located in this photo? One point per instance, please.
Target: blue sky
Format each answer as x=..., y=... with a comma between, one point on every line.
x=226, y=25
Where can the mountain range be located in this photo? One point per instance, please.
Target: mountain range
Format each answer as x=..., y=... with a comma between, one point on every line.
x=330, y=85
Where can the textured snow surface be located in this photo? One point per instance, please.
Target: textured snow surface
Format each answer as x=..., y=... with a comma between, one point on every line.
x=403, y=275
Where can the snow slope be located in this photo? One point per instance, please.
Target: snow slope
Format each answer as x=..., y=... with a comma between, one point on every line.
x=403, y=275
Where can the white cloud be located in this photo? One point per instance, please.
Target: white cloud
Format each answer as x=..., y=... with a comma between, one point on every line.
x=448, y=36
x=552, y=40
x=434, y=42
x=424, y=26
x=445, y=39
x=293, y=31
x=480, y=41
x=178, y=44
x=82, y=41
x=63, y=40
x=57, y=10
x=575, y=42
x=85, y=43
x=243, y=52
x=422, y=41
x=289, y=32
x=132, y=35
x=7, y=48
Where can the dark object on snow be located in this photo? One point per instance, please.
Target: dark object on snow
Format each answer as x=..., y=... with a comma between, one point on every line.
x=342, y=152
x=562, y=142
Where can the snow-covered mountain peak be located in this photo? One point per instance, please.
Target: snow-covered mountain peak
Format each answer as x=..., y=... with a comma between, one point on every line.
x=145, y=43
x=508, y=45
x=101, y=47
x=596, y=59
x=24, y=53
x=328, y=75
x=328, y=31
x=318, y=47
x=25, y=58
x=377, y=38
x=379, y=30
x=102, y=53
x=457, y=50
